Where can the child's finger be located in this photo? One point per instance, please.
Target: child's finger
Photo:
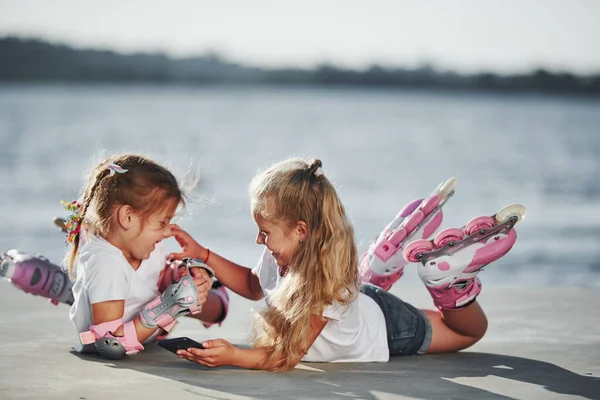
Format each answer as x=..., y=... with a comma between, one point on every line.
x=205, y=353
x=200, y=273
x=177, y=256
x=175, y=229
x=209, y=344
x=202, y=284
x=191, y=357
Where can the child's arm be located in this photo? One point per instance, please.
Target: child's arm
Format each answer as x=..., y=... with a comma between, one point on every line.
x=212, y=311
x=220, y=352
x=111, y=310
x=236, y=277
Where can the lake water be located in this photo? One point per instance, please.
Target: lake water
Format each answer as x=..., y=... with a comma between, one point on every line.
x=380, y=148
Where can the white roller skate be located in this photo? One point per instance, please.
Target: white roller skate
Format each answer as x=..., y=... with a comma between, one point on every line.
x=451, y=261
x=383, y=264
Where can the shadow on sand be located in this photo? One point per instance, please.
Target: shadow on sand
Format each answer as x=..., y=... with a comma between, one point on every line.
x=465, y=375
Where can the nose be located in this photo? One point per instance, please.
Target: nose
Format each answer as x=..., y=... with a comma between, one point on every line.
x=260, y=239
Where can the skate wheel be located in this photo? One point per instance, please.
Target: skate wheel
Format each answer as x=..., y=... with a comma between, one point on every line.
x=478, y=223
x=411, y=252
x=448, y=235
x=447, y=187
x=513, y=210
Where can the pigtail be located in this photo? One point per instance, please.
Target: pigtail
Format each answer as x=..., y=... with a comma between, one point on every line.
x=71, y=256
x=313, y=167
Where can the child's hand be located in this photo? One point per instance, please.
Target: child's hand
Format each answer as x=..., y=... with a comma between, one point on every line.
x=203, y=283
x=169, y=274
x=190, y=247
x=216, y=353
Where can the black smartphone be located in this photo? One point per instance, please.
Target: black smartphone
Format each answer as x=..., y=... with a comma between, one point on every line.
x=180, y=343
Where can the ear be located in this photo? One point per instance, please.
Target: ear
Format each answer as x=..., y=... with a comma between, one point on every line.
x=302, y=230
x=124, y=214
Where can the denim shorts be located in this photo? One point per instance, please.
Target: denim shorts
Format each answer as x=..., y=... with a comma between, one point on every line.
x=408, y=328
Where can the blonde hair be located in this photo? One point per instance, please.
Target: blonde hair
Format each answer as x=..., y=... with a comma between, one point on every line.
x=324, y=269
x=146, y=186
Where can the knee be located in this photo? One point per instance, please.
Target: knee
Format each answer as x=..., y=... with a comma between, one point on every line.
x=480, y=329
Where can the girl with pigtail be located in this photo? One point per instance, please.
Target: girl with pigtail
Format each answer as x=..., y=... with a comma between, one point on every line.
x=123, y=292
x=317, y=309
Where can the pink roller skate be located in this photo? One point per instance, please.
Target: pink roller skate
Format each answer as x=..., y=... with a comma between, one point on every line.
x=383, y=264
x=36, y=275
x=452, y=260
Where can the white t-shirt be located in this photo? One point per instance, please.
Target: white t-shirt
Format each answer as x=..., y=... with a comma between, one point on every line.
x=354, y=333
x=103, y=274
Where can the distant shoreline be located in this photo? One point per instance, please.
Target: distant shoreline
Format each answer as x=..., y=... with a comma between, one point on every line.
x=37, y=61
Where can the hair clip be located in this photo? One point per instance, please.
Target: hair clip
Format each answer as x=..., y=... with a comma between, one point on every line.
x=73, y=221
x=115, y=168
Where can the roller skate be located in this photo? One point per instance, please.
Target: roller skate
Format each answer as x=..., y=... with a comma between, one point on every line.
x=36, y=275
x=451, y=261
x=383, y=264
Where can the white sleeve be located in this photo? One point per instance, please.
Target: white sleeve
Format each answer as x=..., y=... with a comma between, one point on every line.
x=105, y=279
x=266, y=271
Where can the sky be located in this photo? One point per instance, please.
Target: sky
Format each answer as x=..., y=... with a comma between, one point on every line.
x=462, y=35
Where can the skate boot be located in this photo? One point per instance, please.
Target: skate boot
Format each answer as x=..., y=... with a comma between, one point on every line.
x=451, y=261
x=36, y=275
x=383, y=264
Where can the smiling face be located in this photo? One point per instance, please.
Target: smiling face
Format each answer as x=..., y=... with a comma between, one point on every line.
x=145, y=232
x=280, y=237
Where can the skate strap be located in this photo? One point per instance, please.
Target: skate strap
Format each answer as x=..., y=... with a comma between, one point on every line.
x=178, y=299
x=128, y=340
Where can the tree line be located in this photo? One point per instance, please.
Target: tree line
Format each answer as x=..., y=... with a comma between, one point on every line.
x=34, y=60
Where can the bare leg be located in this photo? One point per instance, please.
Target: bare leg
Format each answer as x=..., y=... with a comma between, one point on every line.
x=455, y=330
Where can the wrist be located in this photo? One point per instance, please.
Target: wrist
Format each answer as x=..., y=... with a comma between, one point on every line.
x=237, y=355
x=206, y=255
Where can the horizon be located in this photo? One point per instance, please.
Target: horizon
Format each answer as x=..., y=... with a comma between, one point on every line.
x=505, y=38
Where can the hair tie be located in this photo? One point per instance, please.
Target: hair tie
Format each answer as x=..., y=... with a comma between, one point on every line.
x=73, y=221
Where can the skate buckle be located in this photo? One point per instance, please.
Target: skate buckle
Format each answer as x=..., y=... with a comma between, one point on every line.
x=482, y=234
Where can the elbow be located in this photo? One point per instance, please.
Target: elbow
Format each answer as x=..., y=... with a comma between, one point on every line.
x=283, y=364
x=255, y=290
